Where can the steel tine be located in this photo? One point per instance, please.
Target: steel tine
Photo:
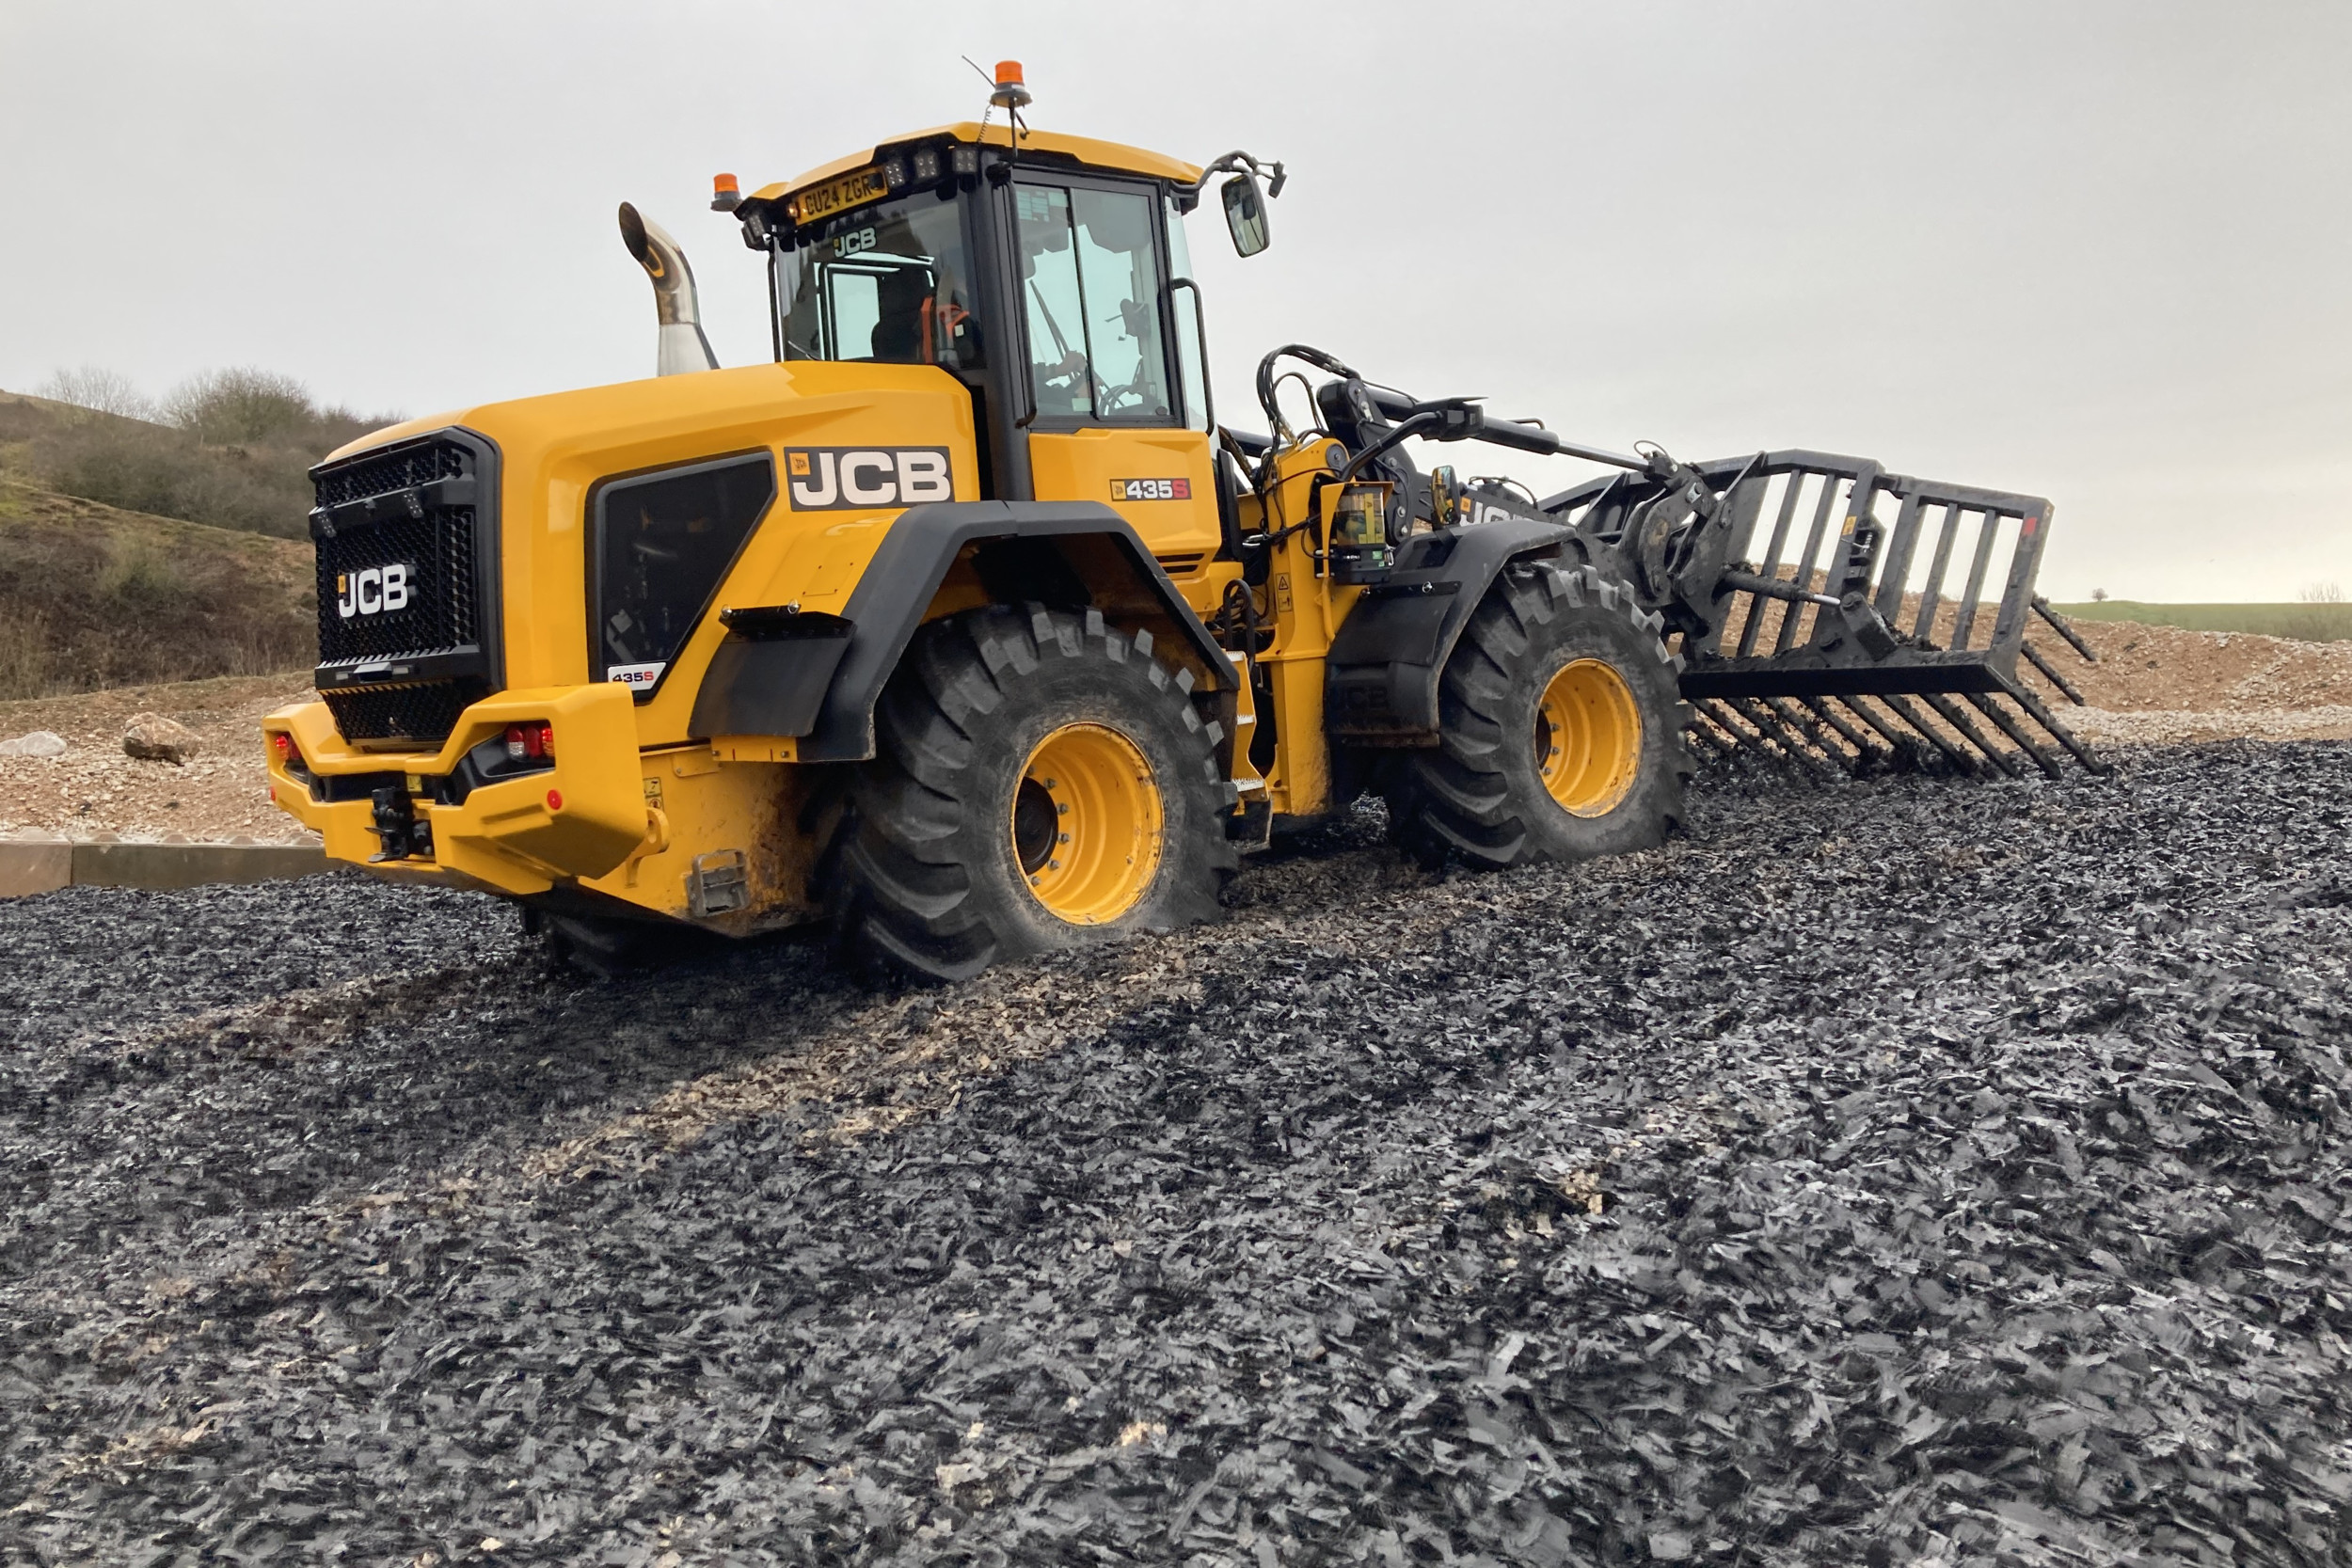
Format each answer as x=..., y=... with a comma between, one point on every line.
x=1721, y=730
x=2049, y=673
x=1909, y=712
x=2091, y=760
x=1927, y=750
x=1709, y=749
x=1867, y=751
x=1739, y=749
x=1951, y=714
x=1907, y=751
x=1760, y=741
x=2058, y=624
x=1701, y=736
x=1761, y=715
x=1829, y=744
x=2009, y=727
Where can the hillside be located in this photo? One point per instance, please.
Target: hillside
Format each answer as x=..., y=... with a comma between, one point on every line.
x=232, y=449
x=92, y=597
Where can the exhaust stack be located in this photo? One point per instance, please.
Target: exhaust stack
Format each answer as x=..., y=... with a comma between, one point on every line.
x=683, y=347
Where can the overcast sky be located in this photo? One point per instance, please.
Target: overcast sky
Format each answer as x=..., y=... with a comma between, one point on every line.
x=2101, y=252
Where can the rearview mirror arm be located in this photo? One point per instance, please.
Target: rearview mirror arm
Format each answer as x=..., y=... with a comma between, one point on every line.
x=1238, y=162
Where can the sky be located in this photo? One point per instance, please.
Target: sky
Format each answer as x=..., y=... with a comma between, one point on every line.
x=2099, y=252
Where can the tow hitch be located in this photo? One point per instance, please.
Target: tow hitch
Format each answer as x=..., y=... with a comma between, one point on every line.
x=397, y=827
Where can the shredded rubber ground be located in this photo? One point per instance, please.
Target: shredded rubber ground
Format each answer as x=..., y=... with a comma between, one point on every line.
x=1888, y=1172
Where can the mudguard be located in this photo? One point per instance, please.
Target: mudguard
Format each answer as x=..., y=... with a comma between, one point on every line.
x=1380, y=682
x=1076, y=554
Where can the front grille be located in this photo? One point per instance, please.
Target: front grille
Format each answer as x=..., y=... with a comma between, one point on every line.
x=406, y=544
x=437, y=549
x=425, y=712
x=395, y=471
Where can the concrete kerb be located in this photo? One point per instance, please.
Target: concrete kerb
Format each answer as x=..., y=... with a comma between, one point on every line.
x=30, y=865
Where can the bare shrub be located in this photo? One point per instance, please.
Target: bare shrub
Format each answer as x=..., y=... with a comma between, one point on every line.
x=2320, y=616
x=241, y=406
x=98, y=390
x=138, y=467
x=236, y=454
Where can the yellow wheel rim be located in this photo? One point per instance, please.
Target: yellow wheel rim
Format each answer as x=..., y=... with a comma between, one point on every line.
x=1087, y=823
x=1588, y=737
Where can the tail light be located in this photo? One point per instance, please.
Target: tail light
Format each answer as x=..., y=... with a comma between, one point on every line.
x=534, y=739
x=284, y=745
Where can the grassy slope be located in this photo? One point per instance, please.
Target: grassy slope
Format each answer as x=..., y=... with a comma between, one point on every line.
x=2307, y=622
x=93, y=596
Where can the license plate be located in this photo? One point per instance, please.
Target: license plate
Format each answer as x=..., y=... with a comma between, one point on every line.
x=834, y=194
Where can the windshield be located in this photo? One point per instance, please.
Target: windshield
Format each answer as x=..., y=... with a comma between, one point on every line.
x=886, y=285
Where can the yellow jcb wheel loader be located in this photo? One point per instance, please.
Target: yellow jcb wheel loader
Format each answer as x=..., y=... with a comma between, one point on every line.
x=965, y=626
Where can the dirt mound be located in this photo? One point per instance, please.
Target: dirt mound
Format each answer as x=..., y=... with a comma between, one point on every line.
x=2144, y=668
x=95, y=788
x=1891, y=1172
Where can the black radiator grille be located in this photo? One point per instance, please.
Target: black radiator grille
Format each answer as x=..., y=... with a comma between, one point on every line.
x=435, y=552
x=407, y=544
x=397, y=470
x=425, y=712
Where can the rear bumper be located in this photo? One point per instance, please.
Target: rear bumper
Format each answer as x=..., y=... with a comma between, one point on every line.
x=576, y=819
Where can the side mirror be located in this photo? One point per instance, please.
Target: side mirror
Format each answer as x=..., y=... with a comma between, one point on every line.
x=1245, y=213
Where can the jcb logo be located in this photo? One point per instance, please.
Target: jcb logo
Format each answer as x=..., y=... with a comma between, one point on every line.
x=856, y=479
x=376, y=591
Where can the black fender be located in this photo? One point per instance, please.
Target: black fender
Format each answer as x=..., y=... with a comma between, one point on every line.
x=1380, y=678
x=1067, y=554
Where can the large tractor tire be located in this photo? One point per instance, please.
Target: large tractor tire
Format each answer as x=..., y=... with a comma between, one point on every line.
x=1560, y=730
x=1041, y=781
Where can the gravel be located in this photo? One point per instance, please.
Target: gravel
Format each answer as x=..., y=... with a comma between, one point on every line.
x=1888, y=1172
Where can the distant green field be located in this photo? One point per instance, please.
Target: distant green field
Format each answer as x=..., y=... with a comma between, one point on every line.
x=2308, y=623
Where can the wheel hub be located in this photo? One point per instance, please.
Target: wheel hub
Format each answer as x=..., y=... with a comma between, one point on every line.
x=1588, y=737
x=1086, y=822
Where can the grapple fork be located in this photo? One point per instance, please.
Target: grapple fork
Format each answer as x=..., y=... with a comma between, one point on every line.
x=1859, y=617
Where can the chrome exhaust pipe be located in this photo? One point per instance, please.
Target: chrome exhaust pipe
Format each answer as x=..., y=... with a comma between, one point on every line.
x=683, y=347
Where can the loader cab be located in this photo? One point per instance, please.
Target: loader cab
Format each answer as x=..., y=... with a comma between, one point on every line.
x=1053, y=280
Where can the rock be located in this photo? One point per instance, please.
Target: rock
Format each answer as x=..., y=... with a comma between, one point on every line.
x=40, y=743
x=153, y=738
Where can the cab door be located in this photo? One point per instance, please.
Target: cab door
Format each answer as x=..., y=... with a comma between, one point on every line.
x=1118, y=398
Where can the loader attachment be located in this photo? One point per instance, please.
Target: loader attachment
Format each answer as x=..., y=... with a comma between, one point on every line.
x=1820, y=623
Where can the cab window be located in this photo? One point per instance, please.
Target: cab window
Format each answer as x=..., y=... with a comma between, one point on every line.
x=884, y=285
x=1192, y=354
x=1091, y=288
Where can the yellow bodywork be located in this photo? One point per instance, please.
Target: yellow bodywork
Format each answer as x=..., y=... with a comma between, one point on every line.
x=637, y=808
x=642, y=801
x=1085, y=150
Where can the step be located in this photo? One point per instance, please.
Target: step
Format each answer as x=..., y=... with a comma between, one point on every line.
x=31, y=864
